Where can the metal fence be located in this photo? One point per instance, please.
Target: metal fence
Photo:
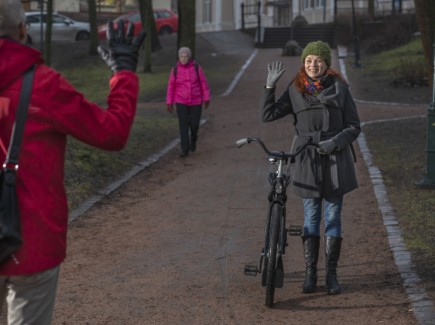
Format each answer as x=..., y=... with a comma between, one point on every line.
x=381, y=7
x=250, y=13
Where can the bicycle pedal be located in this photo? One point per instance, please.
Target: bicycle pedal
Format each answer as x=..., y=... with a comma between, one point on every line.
x=251, y=270
x=295, y=230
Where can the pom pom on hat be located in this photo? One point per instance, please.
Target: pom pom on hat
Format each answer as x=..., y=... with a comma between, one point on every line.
x=318, y=48
x=185, y=50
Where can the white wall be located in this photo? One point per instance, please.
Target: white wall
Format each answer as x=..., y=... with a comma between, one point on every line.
x=157, y=4
x=67, y=5
x=60, y=5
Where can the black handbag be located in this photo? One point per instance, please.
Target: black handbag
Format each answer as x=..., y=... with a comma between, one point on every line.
x=10, y=228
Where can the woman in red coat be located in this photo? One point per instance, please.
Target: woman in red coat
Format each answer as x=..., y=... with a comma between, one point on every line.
x=189, y=91
x=29, y=277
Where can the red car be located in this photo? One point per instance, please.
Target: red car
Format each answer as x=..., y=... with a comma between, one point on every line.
x=166, y=22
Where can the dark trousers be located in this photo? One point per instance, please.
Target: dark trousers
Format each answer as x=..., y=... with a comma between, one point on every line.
x=188, y=120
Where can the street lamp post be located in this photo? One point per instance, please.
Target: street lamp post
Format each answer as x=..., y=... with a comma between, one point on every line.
x=355, y=39
x=41, y=30
x=429, y=179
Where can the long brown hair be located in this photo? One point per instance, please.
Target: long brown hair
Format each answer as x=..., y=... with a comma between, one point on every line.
x=301, y=77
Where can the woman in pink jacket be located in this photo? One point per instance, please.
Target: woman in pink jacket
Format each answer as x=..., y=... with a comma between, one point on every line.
x=189, y=91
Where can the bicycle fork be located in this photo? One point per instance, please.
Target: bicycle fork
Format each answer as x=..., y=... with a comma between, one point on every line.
x=277, y=196
x=293, y=230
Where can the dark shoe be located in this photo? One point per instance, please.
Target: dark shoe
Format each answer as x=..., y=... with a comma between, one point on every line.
x=184, y=154
x=332, y=255
x=193, y=144
x=311, y=254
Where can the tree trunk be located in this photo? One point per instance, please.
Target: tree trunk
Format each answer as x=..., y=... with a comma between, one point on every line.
x=371, y=8
x=93, y=42
x=186, y=25
x=48, y=29
x=118, y=5
x=425, y=14
x=146, y=14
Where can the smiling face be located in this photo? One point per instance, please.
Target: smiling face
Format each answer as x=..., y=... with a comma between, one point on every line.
x=315, y=66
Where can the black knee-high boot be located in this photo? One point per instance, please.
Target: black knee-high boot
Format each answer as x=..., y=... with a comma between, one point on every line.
x=311, y=254
x=332, y=254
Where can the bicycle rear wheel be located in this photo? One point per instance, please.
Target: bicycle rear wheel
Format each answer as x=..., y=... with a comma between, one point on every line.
x=271, y=254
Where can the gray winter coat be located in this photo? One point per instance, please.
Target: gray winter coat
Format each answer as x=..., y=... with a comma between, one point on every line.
x=330, y=115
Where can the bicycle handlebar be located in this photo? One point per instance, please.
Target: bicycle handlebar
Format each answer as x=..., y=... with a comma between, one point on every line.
x=277, y=154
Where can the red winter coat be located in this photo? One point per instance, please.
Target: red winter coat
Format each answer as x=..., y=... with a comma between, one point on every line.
x=56, y=110
x=188, y=87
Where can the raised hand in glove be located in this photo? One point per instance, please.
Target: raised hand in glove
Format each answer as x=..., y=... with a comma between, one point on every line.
x=326, y=147
x=275, y=72
x=123, y=50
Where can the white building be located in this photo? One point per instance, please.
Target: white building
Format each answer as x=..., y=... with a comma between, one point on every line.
x=218, y=15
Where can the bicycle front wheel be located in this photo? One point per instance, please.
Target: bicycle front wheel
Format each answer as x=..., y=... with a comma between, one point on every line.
x=274, y=225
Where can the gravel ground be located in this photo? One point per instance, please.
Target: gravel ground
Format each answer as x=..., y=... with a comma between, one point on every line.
x=169, y=246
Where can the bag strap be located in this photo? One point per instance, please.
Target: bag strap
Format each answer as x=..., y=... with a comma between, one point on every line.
x=196, y=65
x=18, y=129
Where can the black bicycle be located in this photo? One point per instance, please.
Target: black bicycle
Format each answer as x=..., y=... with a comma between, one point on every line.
x=271, y=265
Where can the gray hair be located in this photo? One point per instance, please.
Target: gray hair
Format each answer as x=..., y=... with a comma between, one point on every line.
x=11, y=16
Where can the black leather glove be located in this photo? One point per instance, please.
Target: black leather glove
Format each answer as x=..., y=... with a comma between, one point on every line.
x=326, y=147
x=275, y=72
x=123, y=51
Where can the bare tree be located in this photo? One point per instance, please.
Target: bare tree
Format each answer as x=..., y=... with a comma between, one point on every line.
x=371, y=8
x=118, y=5
x=186, y=24
x=48, y=29
x=425, y=14
x=92, y=12
x=148, y=24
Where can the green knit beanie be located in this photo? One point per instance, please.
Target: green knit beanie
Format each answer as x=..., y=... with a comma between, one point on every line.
x=318, y=48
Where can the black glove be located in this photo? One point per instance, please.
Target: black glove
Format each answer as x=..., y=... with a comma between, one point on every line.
x=123, y=50
x=326, y=147
x=275, y=72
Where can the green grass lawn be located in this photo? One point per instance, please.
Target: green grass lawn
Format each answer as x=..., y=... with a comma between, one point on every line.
x=399, y=149
x=392, y=76
x=88, y=170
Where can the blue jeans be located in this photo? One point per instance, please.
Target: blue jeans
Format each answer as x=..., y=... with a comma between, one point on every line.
x=313, y=216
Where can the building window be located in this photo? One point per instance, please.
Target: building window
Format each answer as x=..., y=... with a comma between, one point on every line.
x=251, y=7
x=309, y=3
x=207, y=12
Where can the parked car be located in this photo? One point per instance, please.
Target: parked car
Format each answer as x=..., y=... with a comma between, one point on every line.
x=63, y=28
x=166, y=22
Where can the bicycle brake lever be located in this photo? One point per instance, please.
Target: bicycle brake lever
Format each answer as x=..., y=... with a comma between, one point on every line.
x=242, y=142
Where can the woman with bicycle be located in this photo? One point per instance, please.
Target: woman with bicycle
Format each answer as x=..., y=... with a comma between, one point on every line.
x=323, y=109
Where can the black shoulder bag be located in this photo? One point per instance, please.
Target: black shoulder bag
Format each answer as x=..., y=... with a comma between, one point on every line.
x=10, y=228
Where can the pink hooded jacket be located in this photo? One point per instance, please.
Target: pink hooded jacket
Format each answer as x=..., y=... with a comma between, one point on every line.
x=186, y=88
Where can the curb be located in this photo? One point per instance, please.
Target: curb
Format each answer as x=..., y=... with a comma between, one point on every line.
x=422, y=306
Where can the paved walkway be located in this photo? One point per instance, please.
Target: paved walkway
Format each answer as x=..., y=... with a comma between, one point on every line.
x=224, y=188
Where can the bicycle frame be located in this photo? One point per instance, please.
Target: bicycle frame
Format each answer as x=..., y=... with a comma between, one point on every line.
x=279, y=182
x=275, y=241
